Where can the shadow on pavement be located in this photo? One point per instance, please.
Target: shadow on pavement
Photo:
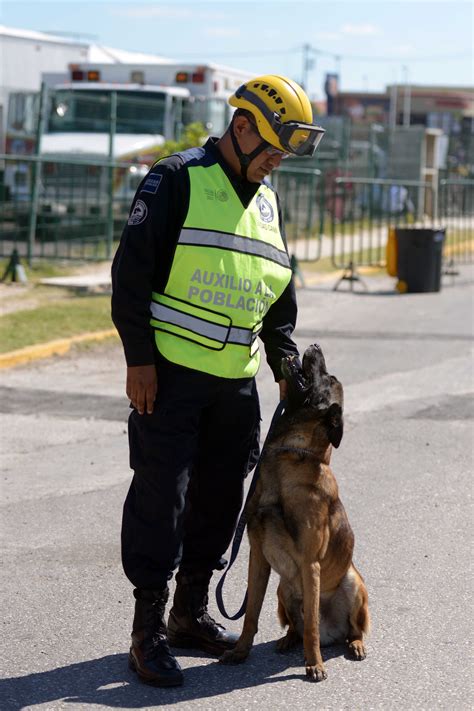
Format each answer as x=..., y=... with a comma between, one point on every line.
x=108, y=681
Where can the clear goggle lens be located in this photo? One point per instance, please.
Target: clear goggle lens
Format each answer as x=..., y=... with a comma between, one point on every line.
x=303, y=141
x=276, y=152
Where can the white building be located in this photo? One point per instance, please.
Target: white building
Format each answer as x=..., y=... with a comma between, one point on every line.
x=25, y=55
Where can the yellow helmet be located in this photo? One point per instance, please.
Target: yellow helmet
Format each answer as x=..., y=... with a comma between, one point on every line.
x=282, y=112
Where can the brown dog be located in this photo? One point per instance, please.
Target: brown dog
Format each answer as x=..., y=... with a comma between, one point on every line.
x=298, y=526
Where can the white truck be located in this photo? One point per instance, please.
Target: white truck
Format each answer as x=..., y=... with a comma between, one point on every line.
x=77, y=127
x=153, y=104
x=208, y=85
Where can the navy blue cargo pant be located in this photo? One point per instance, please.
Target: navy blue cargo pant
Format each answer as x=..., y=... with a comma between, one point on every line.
x=190, y=458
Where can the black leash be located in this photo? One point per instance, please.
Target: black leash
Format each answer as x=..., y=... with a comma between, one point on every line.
x=239, y=531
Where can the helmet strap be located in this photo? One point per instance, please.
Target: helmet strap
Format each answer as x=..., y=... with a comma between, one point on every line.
x=245, y=158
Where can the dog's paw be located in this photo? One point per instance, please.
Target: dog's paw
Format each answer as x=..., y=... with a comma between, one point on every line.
x=234, y=656
x=290, y=640
x=357, y=650
x=316, y=672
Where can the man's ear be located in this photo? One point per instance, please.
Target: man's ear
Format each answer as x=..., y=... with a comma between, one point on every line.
x=241, y=125
x=335, y=424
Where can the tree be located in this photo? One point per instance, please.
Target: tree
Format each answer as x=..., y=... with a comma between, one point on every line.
x=194, y=134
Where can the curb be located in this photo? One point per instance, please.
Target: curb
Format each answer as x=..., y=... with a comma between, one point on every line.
x=63, y=345
x=45, y=350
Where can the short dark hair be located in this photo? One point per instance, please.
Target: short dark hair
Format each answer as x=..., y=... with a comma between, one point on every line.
x=244, y=112
x=248, y=115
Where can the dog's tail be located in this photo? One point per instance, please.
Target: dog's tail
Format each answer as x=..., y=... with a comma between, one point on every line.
x=359, y=616
x=282, y=616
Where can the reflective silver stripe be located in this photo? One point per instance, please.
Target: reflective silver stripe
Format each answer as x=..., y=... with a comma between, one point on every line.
x=243, y=336
x=225, y=240
x=196, y=325
x=201, y=327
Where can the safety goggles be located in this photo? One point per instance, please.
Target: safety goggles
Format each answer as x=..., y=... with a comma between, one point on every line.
x=297, y=138
x=269, y=149
x=276, y=152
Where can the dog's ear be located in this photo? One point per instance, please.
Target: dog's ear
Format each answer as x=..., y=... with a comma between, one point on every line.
x=334, y=424
x=337, y=392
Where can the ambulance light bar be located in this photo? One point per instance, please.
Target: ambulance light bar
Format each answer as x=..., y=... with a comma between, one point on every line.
x=80, y=75
x=198, y=77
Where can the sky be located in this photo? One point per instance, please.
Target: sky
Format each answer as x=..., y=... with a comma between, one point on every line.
x=369, y=44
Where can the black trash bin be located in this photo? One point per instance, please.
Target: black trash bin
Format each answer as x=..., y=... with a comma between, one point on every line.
x=419, y=258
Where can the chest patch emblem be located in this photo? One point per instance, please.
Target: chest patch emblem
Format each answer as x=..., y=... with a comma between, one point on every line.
x=138, y=214
x=266, y=210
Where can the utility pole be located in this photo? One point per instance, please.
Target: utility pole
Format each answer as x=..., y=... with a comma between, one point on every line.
x=36, y=173
x=406, y=98
x=308, y=64
x=393, y=105
x=109, y=237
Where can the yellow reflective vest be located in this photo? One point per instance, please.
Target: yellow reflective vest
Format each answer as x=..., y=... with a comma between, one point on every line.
x=229, y=267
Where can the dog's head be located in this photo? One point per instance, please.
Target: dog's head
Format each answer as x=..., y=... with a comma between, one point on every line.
x=314, y=392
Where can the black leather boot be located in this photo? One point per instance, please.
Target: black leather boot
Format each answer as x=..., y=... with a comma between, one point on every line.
x=150, y=655
x=189, y=623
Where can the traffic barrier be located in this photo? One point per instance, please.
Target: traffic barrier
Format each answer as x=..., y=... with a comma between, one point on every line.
x=456, y=213
x=363, y=212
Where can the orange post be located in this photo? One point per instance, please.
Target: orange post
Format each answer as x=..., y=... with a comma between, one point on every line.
x=391, y=253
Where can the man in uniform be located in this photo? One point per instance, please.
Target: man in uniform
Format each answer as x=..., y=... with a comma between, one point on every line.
x=202, y=270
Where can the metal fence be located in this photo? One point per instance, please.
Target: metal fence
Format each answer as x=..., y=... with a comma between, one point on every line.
x=456, y=213
x=76, y=209
x=64, y=209
x=362, y=210
x=362, y=213
x=301, y=194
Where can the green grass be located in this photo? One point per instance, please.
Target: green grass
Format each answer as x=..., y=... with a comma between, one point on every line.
x=40, y=270
x=46, y=268
x=51, y=321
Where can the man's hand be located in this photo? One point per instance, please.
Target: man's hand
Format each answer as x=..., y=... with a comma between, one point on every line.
x=283, y=385
x=141, y=387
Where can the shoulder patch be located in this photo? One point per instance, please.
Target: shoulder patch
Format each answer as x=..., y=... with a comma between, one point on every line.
x=152, y=183
x=139, y=213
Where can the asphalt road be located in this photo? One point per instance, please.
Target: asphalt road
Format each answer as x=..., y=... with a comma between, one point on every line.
x=404, y=470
